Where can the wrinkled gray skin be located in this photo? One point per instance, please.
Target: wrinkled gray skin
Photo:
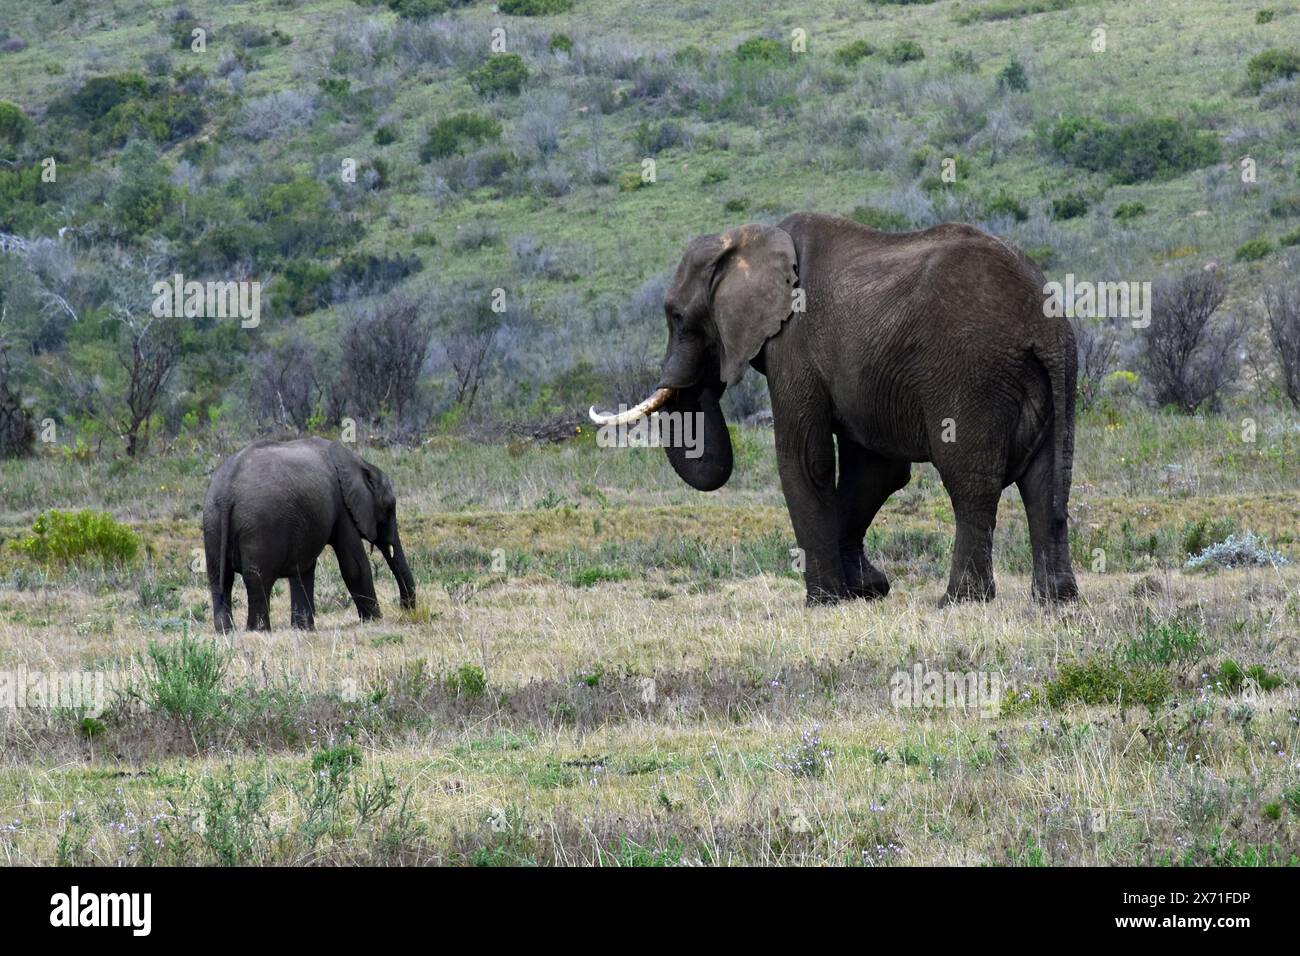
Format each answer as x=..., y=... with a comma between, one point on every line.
x=924, y=346
x=270, y=511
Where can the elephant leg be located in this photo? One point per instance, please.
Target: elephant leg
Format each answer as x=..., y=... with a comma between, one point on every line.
x=222, y=582
x=302, y=598
x=806, y=462
x=259, y=601
x=866, y=481
x=1048, y=537
x=355, y=569
x=971, y=576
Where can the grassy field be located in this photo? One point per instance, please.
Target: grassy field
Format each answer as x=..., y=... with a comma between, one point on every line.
x=604, y=666
x=642, y=685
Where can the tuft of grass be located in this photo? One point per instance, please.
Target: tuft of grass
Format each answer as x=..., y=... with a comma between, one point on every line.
x=186, y=680
x=1101, y=680
x=64, y=538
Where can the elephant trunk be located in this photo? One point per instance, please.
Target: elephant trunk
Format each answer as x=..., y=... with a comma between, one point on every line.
x=396, y=559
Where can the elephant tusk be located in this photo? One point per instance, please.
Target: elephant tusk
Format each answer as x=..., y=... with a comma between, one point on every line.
x=651, y=404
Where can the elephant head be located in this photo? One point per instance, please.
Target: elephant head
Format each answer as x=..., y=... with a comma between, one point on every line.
x=730, y=294
x=372, y=505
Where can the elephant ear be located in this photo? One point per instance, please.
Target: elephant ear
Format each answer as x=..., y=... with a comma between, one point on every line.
x=752, y=292
x=357, y=483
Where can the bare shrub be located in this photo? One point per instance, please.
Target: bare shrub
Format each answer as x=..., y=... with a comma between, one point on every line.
x=1098, y=347
x=385, y=347
x=285, y=388
x=1188, y=359
x=275, y=114
x=1283, y=306
x=541, y=122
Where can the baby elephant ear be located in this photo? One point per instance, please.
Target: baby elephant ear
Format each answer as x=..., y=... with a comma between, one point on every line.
x=358, y=491
x=752, y=293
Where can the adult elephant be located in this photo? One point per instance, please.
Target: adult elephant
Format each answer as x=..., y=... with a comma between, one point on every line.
x=270, y=511
x=888, y=348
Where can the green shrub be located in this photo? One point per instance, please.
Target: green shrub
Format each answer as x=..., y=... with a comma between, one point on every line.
x=452, y=133
x=502, y=73
x=1264, y=16
x=1005, y=204
x=1292, y=238
x=62, y=537
x=1156, y=148
x=15, y=127
x=963, y=61
x=1165, y=643
x=1069, y=206
x=761, y=49
x=336, y=762
x=1128, y=211
x=1285, y=207
x=1013, y=77
x=469, y=680
x=561, y=43
x=186, y=680
x=1102, y=681
x=1010, y=9
x=881, y=219
x=1043, y=256
x=1271, y=65
x=385, y=135
x=534, y=8
x=419, y=9
x=1232, y=677
x=1253, y=250
x=854, y=53
x=904, y=51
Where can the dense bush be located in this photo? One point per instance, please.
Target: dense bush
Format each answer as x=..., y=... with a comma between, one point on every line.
x=904, y=51
x=112, y=109
x=1012, y=77
x=1128, y=211
x=452, y=134
x=1156, y=148
x=15, y=127
x=61, y=537
x=1069, y=206
x=502, y=73
x=1264, y=68
x=854, y=53
x=1010, y=9
x=534, y=8
x=764, y=50
x=1252, y=250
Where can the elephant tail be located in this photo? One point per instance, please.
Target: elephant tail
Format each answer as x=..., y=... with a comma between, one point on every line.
x=216, y=546
x=1061, y=361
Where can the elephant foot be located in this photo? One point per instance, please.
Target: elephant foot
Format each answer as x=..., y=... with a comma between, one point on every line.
x=968, y=591
x=819, y=596
x=1058, y=588
x=864, y=579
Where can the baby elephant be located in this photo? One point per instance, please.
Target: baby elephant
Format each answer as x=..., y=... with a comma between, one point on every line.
x=270, y=511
